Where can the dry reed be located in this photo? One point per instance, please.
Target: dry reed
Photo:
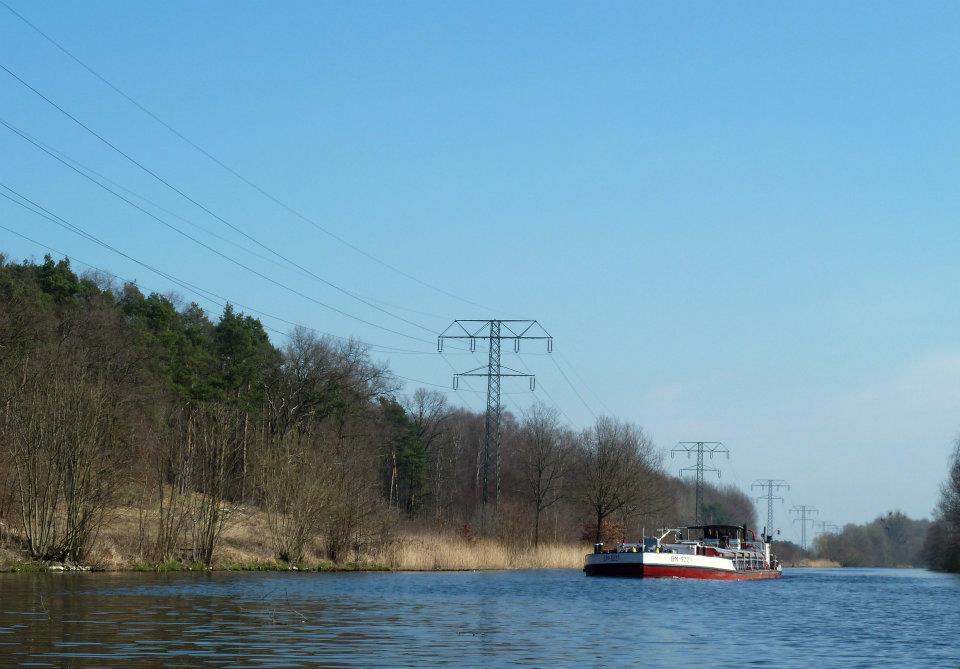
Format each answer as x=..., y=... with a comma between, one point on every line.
x=438, y=552
x=124, y=543
x=816, y=563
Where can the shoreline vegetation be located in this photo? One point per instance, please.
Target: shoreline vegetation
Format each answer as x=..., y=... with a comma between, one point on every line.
x=138, y=433
x=136, y=429
x=473, y=559
x=416, y=552
x=246, y=546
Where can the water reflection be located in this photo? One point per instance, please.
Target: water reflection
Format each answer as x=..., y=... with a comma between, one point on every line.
x=839, y=618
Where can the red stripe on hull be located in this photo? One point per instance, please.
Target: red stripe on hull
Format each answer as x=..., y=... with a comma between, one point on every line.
x=671, y=571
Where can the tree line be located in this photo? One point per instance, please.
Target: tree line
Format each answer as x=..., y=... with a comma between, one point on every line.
x=890, y=540
x=942, y=546
x=112, y=398
x=895, y=540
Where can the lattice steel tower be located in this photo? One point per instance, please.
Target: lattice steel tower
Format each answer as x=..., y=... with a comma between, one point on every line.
x=826, y=526
x=494, y=331
x=700, y=447
x=805, y=515
x=771, y=486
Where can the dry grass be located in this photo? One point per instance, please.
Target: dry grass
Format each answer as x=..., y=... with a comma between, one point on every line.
x=245, y=539
x=437, y=552
x=817, y=563
x=125, y=544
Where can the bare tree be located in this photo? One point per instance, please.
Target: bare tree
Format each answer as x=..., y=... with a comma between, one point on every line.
x=318, y=378
x=543, y=459
x=294, y=487
x=354, y=491
x=218, y=433
x=61, y=431
x=619, y=470
x=169, y=460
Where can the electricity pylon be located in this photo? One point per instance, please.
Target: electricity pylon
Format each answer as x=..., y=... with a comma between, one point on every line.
x=700, y=447
x=771, y=486
x=805, y=514
x=826, y=526
x=494, y=331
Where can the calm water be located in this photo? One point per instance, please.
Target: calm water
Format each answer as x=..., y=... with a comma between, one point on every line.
x=810, y=618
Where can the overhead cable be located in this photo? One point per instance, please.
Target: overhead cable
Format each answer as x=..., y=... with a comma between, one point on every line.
x=237, y=174
x=39, y=210
x=207, y=246
x=195, y=202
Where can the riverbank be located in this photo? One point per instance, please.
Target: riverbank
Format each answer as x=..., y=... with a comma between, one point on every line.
x=419, y=553
x=435, y=557
x=245, y=545
x=814, y=563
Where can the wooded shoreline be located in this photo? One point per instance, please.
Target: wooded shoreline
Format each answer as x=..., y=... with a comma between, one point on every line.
x=137, y=433
x=135, y=428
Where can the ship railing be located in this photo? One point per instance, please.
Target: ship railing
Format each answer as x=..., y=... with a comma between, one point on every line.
x=744, y=560
x=748, y=560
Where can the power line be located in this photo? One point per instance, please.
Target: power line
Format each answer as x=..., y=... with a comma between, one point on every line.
x=237, y=174
x=193, y=201
x=573, y=388
x=580, y=378
x=92, y=266
x=206, y=246
x=76, y=163
x=39, y=210
x=541, y=387
x=86, y=168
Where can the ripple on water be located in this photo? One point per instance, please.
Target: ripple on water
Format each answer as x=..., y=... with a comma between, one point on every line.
x=824, y=618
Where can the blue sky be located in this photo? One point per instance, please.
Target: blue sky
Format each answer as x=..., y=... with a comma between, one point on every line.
x=739, y=222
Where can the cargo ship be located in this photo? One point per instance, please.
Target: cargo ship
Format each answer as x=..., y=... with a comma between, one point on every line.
x=717, y=552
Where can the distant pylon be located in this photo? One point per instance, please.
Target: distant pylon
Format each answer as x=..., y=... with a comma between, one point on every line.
x=771, y=486
x=494, y=331
x=700, y=447
x=805, y=514
x=826, y=526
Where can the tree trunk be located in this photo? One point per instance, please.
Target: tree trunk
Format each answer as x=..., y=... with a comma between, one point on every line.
x=393, y=478
x=243, y=456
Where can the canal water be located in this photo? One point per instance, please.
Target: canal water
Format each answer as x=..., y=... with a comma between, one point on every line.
x=810, y=618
